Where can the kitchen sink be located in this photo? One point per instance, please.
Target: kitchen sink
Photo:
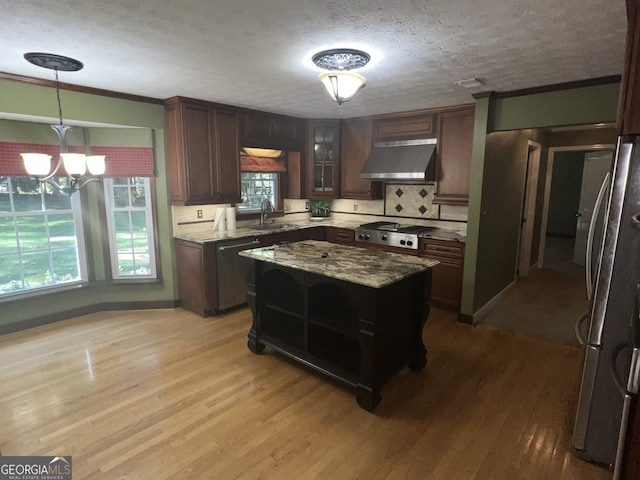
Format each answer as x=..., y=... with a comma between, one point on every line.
x=271, y=226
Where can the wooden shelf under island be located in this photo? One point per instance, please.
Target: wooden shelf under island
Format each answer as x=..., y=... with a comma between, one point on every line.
x=354, y=314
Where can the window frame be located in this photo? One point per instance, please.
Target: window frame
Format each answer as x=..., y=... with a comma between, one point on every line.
x=77, y=211
x=280, y=197
x=151, y=229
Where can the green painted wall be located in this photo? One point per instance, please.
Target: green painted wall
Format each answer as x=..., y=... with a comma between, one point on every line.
x=502, y=194
x=20, y=100
x=474, y=215
x=578, y=106
x=37, y=101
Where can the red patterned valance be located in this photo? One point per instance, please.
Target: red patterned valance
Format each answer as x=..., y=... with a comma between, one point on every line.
x=120, y=161
x=262, y=164
x=11, y=164
x=126, y=161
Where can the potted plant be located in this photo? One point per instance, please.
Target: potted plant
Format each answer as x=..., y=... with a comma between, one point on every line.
x=320, y=208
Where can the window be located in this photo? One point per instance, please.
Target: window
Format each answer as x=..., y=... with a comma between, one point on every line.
x=256, y=187
x=40, y=236
x=130, y=225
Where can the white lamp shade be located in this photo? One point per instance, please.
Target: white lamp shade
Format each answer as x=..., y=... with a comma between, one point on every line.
x=342, y=86
x=37, y=164
x=74, y=163
x=96, y=164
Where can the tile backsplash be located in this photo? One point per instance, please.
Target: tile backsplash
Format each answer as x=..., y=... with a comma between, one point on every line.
x=405, y=203
x=410, y=201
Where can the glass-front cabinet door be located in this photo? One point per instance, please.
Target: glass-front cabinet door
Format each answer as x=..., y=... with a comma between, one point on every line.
x=323, y=159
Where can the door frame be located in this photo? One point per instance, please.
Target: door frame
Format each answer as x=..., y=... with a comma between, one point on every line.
x=547, y=186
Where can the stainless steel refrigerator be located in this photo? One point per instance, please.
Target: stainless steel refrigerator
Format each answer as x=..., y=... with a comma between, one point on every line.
x=609, y=331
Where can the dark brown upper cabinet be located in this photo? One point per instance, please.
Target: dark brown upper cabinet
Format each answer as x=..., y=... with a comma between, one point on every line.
x=403, y=126
x=453, y=157
x=261, y=129
x=323, y=158
x=203, y=152
x=356, y=143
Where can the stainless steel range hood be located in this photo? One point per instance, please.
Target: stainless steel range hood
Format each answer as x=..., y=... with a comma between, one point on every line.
x=401, y=161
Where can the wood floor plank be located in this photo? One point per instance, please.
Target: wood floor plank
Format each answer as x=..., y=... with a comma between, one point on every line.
x=161, y=394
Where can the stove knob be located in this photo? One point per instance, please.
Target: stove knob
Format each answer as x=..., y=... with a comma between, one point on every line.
x=367, y=237
x=409, y=242
x=402, y=242
x=360, y=237
x=384, y=237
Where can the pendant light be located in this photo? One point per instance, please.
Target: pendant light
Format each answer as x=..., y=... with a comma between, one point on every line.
x=76, y=165
x=341, y=84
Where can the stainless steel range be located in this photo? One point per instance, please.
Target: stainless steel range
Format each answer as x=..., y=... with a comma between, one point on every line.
x=391, y=234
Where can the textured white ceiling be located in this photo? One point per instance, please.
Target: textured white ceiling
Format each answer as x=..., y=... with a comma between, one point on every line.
x=256, y=53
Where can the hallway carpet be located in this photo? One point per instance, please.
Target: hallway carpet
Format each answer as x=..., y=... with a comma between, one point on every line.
x=548, y=301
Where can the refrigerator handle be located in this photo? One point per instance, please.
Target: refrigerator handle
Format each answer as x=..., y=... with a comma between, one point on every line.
x=614, y=369
x=578, y=329
x=592, y=228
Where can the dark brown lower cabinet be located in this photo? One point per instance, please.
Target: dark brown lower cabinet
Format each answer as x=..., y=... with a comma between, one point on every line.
x=344, y=236
x=196, y=264
x=198, y=272
x=446, y=290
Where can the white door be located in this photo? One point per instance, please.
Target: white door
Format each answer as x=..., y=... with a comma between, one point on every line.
x=596, y=166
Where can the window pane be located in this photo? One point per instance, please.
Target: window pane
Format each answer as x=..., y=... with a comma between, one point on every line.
x=36, y=269
x=27, y=200
x=10, y=276
x=32, y=233
x=125, y=264
x=256, y=187
x=62, y=230
x=56, y=200
x=65, y=265
x=138, y=197
x=138, y=231
x=5, y=198
x=8, y=240
x=121, y=197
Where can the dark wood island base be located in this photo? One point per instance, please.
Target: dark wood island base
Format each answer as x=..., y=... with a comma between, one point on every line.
x=357, y=334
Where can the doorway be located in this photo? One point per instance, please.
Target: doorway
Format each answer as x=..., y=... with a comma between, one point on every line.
x=573, y=180
x=548, y=301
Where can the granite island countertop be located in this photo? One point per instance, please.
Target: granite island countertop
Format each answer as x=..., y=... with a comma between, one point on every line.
x=372, y=268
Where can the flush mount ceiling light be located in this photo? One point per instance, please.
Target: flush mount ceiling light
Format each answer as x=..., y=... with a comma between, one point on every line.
x=341, y=84
x=38, y=165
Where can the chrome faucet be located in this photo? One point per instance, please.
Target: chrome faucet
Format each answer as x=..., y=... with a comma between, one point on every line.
x=265, y=209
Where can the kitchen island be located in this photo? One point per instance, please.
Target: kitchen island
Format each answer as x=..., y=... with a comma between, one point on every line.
x=354, y=314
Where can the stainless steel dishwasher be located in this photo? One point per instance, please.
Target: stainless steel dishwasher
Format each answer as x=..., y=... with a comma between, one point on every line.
x=232, y=284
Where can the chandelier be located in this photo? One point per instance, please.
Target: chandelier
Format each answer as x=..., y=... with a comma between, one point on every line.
x=341, y=84
x=38, y=165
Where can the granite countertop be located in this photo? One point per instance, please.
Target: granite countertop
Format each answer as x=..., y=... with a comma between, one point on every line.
x=241, y=232
x=372, y=268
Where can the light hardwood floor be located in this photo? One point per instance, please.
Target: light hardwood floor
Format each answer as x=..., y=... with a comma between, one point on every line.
x=166, y=394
